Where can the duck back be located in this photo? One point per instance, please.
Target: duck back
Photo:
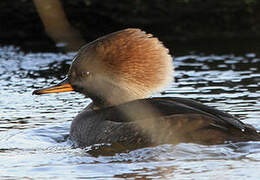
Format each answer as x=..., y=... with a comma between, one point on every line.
x=153, y=121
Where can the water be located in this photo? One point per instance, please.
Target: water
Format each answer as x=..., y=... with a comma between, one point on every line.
x=34, y=129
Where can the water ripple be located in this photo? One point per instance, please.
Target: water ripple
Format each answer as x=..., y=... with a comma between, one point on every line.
x=34, y=130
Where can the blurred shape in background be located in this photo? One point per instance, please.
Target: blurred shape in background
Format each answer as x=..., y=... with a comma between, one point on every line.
x=57, y=25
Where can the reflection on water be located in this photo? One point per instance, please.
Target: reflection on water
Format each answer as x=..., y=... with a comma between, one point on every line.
x=34, y=130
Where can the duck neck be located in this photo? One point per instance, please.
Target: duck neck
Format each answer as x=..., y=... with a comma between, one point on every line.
x=111, y=97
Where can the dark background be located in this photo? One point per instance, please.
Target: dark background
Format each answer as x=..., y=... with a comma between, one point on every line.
x=181, y=21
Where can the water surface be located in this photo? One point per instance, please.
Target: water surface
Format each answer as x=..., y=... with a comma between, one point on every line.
x=34, y=129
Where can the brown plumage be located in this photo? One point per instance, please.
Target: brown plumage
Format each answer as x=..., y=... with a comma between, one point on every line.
x=117, y=72
x=130, y=59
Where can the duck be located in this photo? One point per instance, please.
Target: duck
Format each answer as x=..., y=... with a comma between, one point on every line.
x=120, y=72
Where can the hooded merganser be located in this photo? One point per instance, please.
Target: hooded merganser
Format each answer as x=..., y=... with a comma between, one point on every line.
x=118, y=72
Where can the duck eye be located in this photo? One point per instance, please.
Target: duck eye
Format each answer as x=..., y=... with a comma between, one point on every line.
x=84, y=74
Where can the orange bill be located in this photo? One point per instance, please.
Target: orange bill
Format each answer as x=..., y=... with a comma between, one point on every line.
x=63, y=86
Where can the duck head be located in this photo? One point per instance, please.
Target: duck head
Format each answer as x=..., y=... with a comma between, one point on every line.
x=116, y=68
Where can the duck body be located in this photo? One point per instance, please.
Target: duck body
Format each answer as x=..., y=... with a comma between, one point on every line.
x=118, y=72
x=177, y=120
